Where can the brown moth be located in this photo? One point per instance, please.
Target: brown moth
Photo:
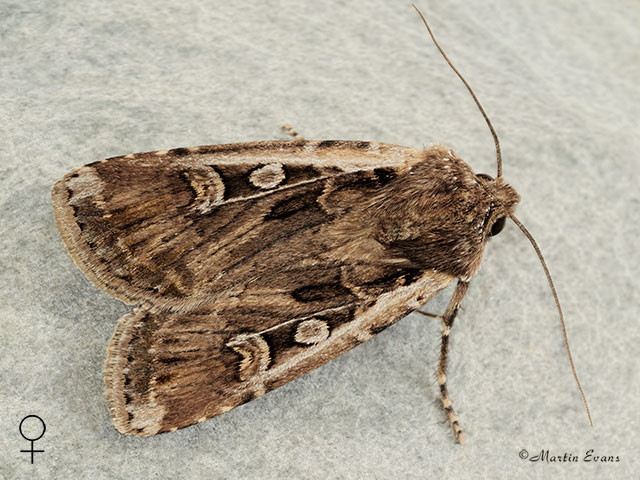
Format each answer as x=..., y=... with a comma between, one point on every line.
x=251, y=264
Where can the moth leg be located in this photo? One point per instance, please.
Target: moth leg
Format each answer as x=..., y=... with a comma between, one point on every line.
x=431, y=315
x=447, y=322
x=291, y=131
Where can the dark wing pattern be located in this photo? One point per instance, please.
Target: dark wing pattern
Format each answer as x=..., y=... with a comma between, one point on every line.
x=255, y=263
x=189, y=227
x=167, y=370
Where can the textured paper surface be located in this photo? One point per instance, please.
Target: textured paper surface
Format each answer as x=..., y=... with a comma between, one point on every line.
x=82, y=81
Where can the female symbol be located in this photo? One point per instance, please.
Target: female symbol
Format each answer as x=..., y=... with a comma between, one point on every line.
x=32, y=440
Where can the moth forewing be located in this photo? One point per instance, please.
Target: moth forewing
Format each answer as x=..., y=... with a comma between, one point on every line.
x=133, y=224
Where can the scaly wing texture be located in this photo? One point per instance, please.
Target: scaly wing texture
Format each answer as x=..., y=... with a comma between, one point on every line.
x=188, y=227
x=255, y=263
x=166, y=370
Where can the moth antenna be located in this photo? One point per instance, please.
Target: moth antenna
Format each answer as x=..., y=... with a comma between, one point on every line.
x=473, y=95
x=555, y=297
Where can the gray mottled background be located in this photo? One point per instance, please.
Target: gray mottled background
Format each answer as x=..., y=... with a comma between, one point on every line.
x=85, y=80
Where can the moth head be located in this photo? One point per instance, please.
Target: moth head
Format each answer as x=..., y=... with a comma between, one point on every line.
x=504, y=202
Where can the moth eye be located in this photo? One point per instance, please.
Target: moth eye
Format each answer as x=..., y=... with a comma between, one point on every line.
x=497, y=226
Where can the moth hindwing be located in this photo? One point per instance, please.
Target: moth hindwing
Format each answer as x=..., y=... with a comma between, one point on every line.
x=251, y=264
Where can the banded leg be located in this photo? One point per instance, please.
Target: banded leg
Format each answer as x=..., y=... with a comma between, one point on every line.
x=291, y=131
x=447, y=322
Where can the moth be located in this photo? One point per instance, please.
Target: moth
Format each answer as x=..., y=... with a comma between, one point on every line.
x=251, y=264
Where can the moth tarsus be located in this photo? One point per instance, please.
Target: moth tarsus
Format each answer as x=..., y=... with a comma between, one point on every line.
x=291, y=131
x=447, y=323
x=251, y=264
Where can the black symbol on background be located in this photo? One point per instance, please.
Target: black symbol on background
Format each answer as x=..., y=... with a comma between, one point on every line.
x=32, y=440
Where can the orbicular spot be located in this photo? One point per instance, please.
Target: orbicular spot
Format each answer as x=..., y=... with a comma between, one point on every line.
x=255, y=354
x=267, y=177
x=311, y=331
